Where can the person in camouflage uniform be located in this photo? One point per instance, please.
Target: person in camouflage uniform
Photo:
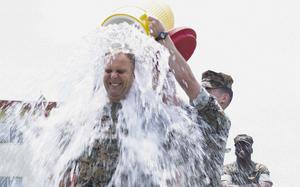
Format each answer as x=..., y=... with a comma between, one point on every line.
x=219, y=85
x=209, y=98
x=244, y=172
x=95, y=168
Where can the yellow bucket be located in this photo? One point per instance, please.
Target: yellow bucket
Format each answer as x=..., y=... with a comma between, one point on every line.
x=138, y=16
x=160, y=10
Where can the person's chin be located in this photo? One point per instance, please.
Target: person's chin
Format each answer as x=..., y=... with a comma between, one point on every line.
x=114, y=99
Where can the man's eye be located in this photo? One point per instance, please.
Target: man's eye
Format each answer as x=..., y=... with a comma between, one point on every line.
x=108, y=71
x=120, y=71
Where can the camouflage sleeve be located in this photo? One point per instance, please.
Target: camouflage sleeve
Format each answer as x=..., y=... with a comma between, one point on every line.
x=226, y=170
x=262, y=169
x=264, y=174
x=215, y=128
x=211, y=112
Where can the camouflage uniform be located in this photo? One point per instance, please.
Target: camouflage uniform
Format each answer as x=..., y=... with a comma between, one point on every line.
x=95, y=168
x=254, y=173
x=233, y=174
x=216, y=129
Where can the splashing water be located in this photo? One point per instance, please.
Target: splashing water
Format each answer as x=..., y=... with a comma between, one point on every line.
x=158, y=142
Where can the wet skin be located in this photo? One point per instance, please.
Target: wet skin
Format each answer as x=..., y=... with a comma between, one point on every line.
x=118, y=77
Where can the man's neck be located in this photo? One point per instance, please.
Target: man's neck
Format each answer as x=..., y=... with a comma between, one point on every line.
x=245, y=163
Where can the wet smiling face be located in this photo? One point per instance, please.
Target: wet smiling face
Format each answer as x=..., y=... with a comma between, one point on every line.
x=119, y=76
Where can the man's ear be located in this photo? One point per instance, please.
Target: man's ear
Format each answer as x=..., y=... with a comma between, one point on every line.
x=224, y=100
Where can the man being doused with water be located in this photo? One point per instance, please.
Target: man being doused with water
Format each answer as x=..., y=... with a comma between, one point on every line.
x=131, y=143
x=96, y=168
x=144, y=140
x=108, y=161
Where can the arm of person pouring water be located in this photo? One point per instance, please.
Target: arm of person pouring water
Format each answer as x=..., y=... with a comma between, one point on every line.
x=177, y=63
x=217, y=123
x=198, y=96
x=208, y=107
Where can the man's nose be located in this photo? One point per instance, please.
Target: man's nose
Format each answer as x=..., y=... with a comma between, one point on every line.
x=114, y=74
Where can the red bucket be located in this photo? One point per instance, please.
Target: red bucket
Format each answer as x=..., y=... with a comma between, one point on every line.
x=184, y=39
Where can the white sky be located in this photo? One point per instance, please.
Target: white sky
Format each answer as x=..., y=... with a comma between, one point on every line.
x=257, y=42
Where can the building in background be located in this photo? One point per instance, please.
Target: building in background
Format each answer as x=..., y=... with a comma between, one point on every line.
x=14, y=165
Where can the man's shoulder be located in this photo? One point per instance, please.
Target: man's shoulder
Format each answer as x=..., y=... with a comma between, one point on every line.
x=261, y=168
x=230, y=168
x=210, y=109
